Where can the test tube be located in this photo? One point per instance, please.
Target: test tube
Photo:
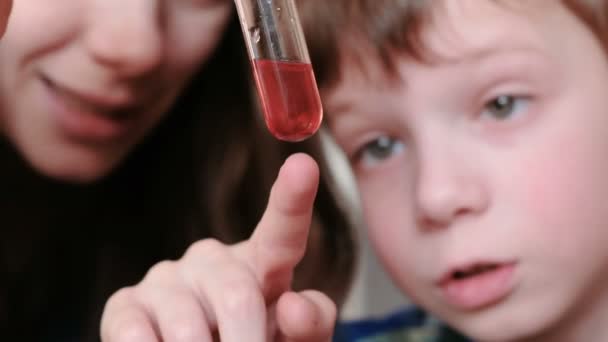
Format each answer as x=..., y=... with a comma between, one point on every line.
x=281, y=67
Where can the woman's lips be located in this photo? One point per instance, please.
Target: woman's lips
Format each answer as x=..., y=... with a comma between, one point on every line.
x=89, y=117
x=478, y=284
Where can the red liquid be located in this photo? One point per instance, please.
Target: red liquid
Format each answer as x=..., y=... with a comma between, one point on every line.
x=289, y=97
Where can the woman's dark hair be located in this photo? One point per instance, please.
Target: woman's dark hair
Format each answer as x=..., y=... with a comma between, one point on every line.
x=204, y=172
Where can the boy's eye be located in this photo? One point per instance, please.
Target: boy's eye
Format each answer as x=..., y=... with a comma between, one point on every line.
x=504, y=107
x=378, y=150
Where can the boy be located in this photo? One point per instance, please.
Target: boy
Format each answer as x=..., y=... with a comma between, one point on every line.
x=477, y=132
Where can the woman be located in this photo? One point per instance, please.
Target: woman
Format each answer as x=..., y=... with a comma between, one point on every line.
x=124, y=138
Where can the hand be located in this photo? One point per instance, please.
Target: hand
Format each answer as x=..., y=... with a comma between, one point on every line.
x=5, y=11
x=239, y=292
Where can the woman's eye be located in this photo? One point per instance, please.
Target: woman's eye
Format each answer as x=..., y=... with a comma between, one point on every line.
x=378, y=150
x=504, y=107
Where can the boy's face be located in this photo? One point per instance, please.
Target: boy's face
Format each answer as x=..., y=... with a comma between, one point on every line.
x=484, y=177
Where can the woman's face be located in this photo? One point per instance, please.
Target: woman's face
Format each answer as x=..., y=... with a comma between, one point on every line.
x=83, y=81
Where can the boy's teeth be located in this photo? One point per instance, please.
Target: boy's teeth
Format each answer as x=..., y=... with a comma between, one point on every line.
x=475, y=270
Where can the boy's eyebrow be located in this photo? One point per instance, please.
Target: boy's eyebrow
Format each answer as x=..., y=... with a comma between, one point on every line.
x=492, y=50
x=474, y=55
x=338, y=111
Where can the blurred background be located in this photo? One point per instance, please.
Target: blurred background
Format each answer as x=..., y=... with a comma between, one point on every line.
x=372, y=294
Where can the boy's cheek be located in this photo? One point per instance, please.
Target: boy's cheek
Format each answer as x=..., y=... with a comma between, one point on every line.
x=387, y=211
x=560, y=190
x=5, y=11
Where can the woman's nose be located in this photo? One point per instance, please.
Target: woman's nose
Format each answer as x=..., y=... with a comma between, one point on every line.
x=126, y=35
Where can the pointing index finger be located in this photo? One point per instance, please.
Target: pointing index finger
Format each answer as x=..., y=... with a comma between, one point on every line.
x=279, y=241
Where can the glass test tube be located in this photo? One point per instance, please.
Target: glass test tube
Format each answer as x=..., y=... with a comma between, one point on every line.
x=283, y=74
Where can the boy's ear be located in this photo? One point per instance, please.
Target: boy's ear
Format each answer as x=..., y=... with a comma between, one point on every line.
x=5, y=11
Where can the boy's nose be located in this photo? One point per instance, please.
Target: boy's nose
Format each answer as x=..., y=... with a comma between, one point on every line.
x=126, y=36
x=447, y=189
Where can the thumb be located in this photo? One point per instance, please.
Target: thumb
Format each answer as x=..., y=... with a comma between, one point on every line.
x=279, y=241
x=308, y=316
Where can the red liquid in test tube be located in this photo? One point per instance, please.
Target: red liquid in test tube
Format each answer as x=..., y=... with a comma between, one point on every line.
x=284, y=77
x=289, y=97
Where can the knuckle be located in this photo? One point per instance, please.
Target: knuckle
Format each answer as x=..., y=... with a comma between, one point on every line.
x=162, y=271
x=129, y=330
x=206, y=249
x=118, y=324
x=119, y=297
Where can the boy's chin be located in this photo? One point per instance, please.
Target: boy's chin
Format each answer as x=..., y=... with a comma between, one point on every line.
x=492, y=328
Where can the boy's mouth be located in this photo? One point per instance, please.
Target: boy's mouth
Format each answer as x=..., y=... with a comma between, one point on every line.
x=471, y=271
x=477, y=284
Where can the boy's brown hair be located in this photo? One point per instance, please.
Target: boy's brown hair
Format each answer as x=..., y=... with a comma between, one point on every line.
x=364, y=28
